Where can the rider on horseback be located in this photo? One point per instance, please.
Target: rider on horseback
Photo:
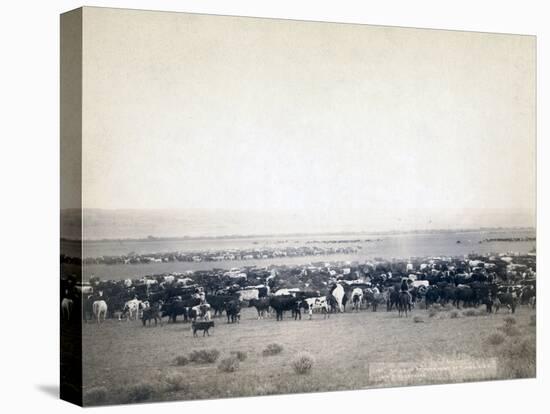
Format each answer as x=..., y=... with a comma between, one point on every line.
x=405, y=288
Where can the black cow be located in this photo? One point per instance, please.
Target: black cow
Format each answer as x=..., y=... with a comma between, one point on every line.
x=508, y=300
x=116, y=304
x=158, y=296
x=466, y=295
x=283, y=303
x=263, y=292
x=527, y=293
x=233, y=311
x=432, y=296
x=298, y=306
x=261, y=305
x=203, y=326
x=217, y=302
x=179, y=307
x=345, y=300
x=446, y=293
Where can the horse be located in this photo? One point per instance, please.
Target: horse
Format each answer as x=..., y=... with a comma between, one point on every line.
x=404, y=303
x=152, y=313
x=373, y=298
x=202, y=311
x=392, y=299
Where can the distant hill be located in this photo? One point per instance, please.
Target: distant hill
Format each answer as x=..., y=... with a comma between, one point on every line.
x=143, y=224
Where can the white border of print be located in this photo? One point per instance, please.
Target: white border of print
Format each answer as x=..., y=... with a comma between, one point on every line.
x=30, y=169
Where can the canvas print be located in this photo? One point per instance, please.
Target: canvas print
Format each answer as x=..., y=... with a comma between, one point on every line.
x=256, y=206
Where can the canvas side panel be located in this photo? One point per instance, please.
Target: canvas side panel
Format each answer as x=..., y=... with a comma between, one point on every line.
x=71, y=207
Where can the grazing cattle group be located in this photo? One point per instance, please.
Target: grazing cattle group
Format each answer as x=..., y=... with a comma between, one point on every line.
x=196, y=306
x=458, y=283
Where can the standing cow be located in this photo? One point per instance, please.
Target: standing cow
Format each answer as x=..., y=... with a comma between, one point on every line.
x=356, y=298
x=233, y=311
x=283, y=303
x=339, y=294
x=261, y=305
x=99, y=308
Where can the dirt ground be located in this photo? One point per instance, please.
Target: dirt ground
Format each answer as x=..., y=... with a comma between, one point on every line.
x=350, y=351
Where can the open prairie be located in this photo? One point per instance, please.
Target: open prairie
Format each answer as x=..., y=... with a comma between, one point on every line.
x=126, y=362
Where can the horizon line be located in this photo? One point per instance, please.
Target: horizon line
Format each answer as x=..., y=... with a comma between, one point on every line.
x=275, y=235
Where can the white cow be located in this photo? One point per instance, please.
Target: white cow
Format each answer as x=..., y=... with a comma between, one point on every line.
x=419, y=283
x=248, y=294
x=283, y=291
x=131, y=309
x=356, y=298
x=319, y=304
x=338, y=294
x=99, y=307
x=169, y=279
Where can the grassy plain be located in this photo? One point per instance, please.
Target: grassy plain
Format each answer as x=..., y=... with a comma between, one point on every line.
x=125, y=362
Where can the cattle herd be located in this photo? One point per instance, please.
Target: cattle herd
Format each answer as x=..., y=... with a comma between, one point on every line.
x=322, y=288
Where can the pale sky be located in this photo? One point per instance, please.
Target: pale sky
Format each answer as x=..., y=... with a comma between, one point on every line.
x=194, y=111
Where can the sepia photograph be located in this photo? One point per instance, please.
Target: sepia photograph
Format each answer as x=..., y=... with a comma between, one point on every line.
x=260, y=206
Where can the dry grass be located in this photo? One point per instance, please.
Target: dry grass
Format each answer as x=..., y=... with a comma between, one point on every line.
x=509, y=330
x=495, y=339
x=432, y=312
x=453, y=314
x=240, y=355
x=352, y=344
x=181, y=360
x=272, y=349
x=518, y=358
x=230, y=364
x=204, y=356
x=510, y=320
x=470, y=312
x=175, y=382
x=142, y=391
x=303, y=363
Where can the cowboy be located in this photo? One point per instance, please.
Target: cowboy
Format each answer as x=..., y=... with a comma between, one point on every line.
x=405, y=288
